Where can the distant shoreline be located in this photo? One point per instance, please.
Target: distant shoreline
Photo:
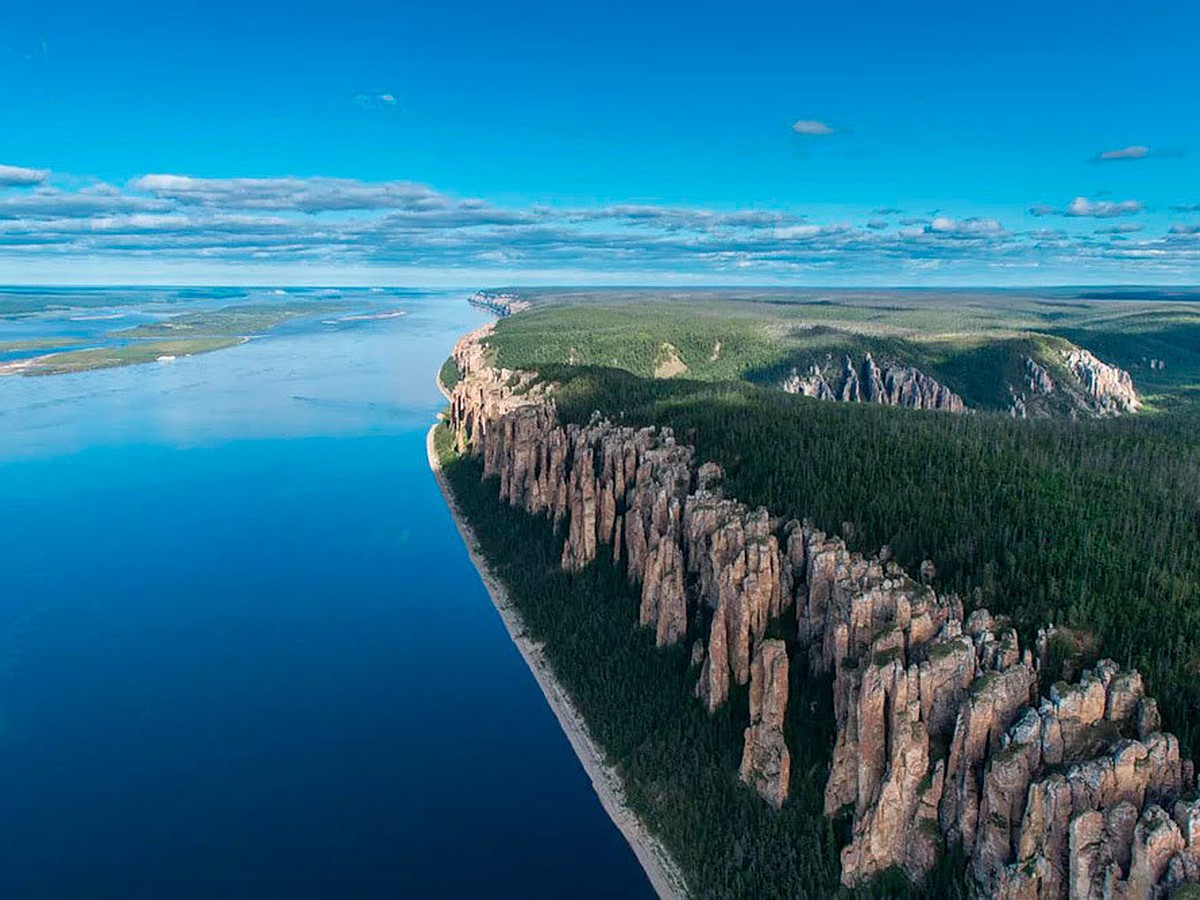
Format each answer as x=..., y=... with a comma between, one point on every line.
x=660, y=868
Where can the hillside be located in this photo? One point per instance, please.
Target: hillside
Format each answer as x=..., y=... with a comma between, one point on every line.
x=1046, y=356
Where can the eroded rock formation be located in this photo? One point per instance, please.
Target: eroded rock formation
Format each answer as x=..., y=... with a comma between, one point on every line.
x=942, y=737
x=766, y=763
x=891, y=385
x=499, y=302
x=1109, y=388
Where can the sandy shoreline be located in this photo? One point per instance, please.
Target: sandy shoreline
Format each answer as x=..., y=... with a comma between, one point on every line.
x=662, y=871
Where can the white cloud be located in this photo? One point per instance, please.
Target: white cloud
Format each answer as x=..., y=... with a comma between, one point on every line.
x=797, y=232
x=970, y=227
x=1103, y=209
x=1083, y=207
x=309, y=195
x=17, y=176
x=1134, y=152
x=812, y=127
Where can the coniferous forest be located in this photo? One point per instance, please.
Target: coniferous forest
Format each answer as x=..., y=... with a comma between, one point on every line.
x=678, y=763
x=1091, y=524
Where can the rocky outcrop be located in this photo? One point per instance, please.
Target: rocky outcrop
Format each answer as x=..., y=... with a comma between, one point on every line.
x=1037, y=377
x=810, y=383
x=942, y=737
x=742, y=576
x=892, y=384
x=1036, y=386
x=1109, y=389
x=1086, y=386
x=766, y=763
x=501, y=303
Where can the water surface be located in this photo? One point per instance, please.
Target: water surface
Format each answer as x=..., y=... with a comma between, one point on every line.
x=243, y=652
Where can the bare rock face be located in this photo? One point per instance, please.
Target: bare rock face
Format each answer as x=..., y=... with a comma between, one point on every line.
x=500, y=303
x=1005, y=787
x=664, y=604
x=1036, y=385
x=1109, y=388
x=895, y=802
x=766, y=763
x=942, y=738
x=742, y=575
x=992, y=704
x=810, y=384
x=867, y=382
x=1037, y=377
x=713, y=686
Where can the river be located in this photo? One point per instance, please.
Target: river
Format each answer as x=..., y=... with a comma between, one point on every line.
x=243, y=651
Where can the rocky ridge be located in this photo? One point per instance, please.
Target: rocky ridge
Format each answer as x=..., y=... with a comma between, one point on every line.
x=1092, y=387
x=942, y=737
x=891, y=385
x=502, y=304
x=1109, y=389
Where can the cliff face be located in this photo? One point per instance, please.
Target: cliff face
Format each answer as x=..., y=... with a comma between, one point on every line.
x=1107, y=388
x=766, y=763
x=942, y=738
x=867, y=382
x=1091, y=387
x=500, y=303
x=1088, y=386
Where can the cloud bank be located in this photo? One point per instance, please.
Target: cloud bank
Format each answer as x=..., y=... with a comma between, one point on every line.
x=16, y=176
x=1082, y=207
x=347, y=224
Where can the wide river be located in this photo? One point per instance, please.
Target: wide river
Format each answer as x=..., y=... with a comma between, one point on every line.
x=243, y=652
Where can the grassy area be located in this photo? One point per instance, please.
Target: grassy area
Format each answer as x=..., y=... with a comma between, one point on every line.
x=127, y=355
x=33, y=345
x=230, y=321
x=186, y=334
x=974, y=342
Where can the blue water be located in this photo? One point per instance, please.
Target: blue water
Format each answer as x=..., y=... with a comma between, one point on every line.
x=243, y=652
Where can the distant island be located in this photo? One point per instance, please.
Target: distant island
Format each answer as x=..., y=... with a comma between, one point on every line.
x=168, y=338
x=889, y=593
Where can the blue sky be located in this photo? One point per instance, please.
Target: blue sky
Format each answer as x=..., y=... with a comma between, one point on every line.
x=464, y=142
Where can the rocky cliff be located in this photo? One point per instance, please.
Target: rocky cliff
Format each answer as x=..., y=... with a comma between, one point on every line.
x=1082, y=385
x=1108, y=389
x=942, y=736
x=502, y=304
x=867, y=382
x=1089, y=387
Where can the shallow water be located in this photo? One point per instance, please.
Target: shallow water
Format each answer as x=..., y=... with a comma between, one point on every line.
x=243, y=651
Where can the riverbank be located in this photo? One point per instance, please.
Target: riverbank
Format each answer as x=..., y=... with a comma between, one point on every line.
x=660, y=868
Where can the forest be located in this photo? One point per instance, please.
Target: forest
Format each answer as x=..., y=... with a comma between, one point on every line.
x=678, y=764
x=975, y=342
x=1089, y=524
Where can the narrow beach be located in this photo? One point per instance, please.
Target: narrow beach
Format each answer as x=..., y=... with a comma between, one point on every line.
x=660, y=868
